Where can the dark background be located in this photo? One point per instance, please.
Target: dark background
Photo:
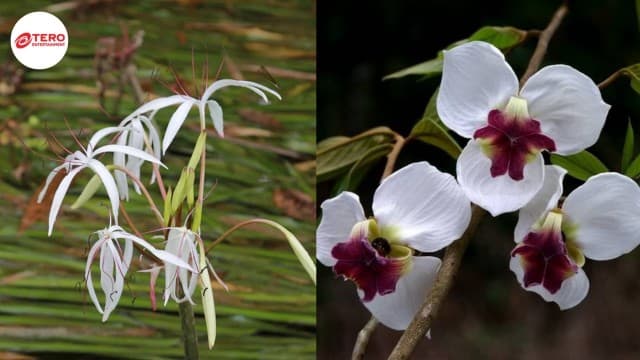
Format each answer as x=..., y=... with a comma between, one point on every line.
x=487, y=315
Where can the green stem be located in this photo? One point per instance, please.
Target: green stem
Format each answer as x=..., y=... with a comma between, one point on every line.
x=189, y=337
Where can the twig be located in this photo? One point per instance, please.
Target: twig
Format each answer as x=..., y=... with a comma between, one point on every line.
x=608, y=81
x=543, y=43
x=421, y=323
x=393, y=156
x=363, y=339
x=453, y=255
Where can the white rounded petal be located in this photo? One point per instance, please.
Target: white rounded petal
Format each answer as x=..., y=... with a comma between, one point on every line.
x=568, y=105
x=545, y=200
x=339, y=215
x=422, y=207
x=606, y=212
x=570, y=294
x=500, y=194
x=397, y=309
x=475, y=80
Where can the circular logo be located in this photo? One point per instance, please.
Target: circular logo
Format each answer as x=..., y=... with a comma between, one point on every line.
x=39, y=40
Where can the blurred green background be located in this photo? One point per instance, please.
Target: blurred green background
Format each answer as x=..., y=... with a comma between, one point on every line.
x=487, y=315
x=262, y=168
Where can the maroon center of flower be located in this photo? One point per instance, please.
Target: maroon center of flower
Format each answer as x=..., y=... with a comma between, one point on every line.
x=366, y=264
x=509, y=140
x=545, y=260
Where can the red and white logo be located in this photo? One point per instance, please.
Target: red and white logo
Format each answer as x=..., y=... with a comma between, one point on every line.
x=39, y=40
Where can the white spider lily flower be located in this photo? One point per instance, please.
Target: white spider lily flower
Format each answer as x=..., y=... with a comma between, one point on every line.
x=599, y=220
x=114, y=264
x=77, y=161
x=181, y=242
x=558, y=109
x=139, y=133
x=416, y=209
x=187, y=102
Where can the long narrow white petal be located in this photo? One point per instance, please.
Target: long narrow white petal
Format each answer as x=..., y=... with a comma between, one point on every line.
x=109, y=184
x=545, y=200
x=50, y=177
x=255, y=87
x=475, y=80
x=500, y=194
x=175, y=123
x=573, y=290
x=87, y=275
x=119, y=160
x=215, y=110
x=114, y=291
x=98, y=135
x=568, y=105
x=61, y=191
x=606, y=213
x=128, y=150
x=160, y=103
x=339, y=215
x=423, y=207
x=397, y=309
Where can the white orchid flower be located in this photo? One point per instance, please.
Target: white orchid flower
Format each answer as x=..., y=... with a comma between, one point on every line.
x=76, y=162
x=115, y=262
x=187, y=102
x=139, y=133
x=416, y=209
x=181, y=242
x=599, y=220
x=559, y=109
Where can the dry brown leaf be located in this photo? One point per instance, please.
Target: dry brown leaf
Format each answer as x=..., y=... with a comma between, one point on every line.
x=295, y=204
x=15, y=356
x=38, y=211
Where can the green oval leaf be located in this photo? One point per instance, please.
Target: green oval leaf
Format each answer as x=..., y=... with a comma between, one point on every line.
x=581, y=166
x=502, y=37
x=431, y=130
x=337, y=155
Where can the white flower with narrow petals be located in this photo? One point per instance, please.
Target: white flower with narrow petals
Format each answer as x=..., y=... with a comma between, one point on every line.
x=181, y=242
x=417, y=209
x=558, y=109
x=140, y=133
x=187, y=102
x=76, y=162
x=599, y=220
x=114, y=264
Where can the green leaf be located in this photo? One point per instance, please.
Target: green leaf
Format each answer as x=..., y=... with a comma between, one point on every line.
x=197, y=150
x=627, y=149
x=427, y=69
x=431, y=130
x=581, y=166
x=633, y=72
x=504, y=38
x=336, y=156
x=371, y=155
x=634, y=169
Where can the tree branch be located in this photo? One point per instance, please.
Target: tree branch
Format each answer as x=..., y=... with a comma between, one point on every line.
x=429, y=310
x=363, y=339
x=543, y=43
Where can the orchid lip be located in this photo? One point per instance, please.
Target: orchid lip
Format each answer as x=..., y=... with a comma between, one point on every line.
x=544, y=255
x=511, y=139
x=375, y=266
